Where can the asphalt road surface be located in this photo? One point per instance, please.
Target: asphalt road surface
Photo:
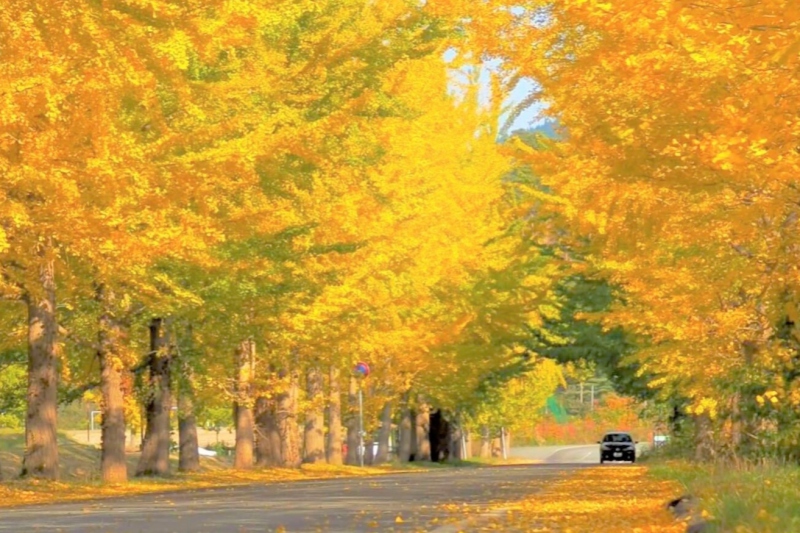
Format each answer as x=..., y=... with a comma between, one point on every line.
x=423, y=501
x=580, y=454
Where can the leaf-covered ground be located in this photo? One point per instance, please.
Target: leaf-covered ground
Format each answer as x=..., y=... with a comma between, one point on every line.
x=611, y=498
x=13, y=493
x=80, y=474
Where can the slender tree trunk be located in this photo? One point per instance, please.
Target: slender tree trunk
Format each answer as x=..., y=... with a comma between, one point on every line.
x=467, y=448
x=736, y=425
x=314, y=433
x=154, y=460
x=457, y=451
x=41, y=447
x=385, y=434
x=352, y=423
x=423, y=426
x=287, y=419
x=497, y=447
x=704, y=449
x=112, y=456
x=334, y=419
x=243, y=407
x=486, y=443
x=404, y=447
x=268, y=441
x=188, y=454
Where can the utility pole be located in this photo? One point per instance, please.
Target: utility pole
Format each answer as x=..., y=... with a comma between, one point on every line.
x=362, y=370
x=361, y=449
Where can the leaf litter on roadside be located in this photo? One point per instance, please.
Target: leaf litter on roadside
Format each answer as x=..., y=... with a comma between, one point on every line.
x=616, y=498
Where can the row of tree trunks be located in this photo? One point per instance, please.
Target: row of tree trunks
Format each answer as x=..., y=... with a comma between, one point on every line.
x=154, y=460
x=272, y=429
x=243, y=406
x=41, y=448
x=276, y=423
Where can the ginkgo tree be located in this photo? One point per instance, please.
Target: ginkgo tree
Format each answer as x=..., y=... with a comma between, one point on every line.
x=247, y=196
x=678, y=160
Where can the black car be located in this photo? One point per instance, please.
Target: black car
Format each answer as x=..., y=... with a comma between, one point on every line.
x=617, y=446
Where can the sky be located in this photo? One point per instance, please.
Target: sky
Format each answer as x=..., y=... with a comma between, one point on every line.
x=529, y=118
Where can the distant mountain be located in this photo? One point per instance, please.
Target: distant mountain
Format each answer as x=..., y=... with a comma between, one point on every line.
x=548, y=129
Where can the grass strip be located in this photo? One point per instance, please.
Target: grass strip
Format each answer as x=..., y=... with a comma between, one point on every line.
x=741, y=498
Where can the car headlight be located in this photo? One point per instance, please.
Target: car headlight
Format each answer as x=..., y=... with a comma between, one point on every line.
x=605, y=447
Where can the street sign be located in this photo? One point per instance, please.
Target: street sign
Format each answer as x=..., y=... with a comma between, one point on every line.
x=362, y=368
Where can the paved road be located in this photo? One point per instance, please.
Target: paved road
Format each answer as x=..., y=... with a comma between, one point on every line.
x=423, y=501
x=580, y=454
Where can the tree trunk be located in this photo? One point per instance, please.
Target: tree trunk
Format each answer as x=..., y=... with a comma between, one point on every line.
x=112, y=456
x=467, y=444
x=353, y=440
x=736, y=426
x=404, y=448
x=41, y=447
x=314, y=444
x=268, y=435
x=497, y=448
x=439, y=436
x=369, y=451
x=188, y=454
x=334, y=419
x=154, y=460
x=423, y=426
x=486, y=443
x=384, y=435
x=704, y=448
x=243, y=406
x=456, y=443
x=287, y=419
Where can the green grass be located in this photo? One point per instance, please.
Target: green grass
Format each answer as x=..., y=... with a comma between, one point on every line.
x=77, y=462
x=744, y=498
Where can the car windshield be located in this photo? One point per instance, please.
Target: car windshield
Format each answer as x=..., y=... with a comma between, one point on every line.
x=617, y=437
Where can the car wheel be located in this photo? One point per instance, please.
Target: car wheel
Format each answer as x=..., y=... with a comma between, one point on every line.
x=633, y=459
